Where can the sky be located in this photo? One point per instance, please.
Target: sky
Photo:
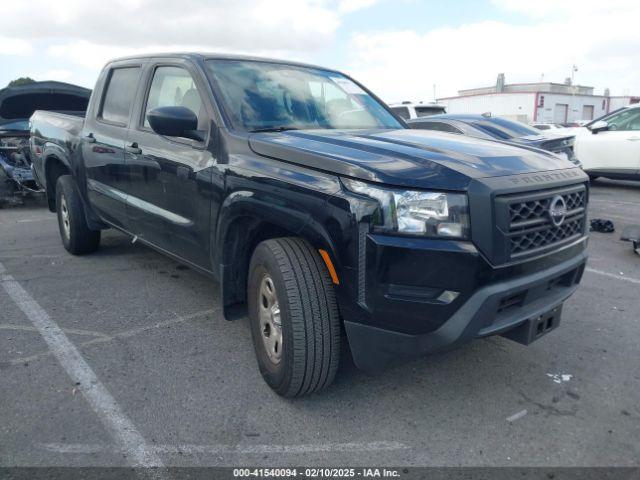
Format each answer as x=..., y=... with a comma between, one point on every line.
x=400, y=49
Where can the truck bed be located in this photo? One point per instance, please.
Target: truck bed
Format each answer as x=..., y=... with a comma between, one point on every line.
x=61, y=128
x=54, y=131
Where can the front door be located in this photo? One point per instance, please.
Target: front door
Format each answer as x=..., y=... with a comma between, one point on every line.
x=170, y=199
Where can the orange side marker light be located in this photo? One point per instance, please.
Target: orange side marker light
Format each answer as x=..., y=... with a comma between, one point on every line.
x=332, y=270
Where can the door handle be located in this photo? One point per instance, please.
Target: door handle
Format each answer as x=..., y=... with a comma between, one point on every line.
x=633, y=139
x=89, y=138
x=133, y=148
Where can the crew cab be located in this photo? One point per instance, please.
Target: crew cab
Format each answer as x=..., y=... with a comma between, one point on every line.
x=317, y=210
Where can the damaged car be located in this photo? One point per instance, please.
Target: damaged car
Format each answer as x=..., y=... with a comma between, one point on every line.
x=17, y=104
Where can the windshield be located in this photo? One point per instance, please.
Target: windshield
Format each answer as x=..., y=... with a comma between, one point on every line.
x=503, y=128
x=259, y=96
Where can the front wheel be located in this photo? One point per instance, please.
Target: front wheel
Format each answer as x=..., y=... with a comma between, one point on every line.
x=76, y=236
x=294, y=317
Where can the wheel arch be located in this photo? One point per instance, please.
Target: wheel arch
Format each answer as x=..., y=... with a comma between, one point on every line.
x=247, y=221
x=54, y=167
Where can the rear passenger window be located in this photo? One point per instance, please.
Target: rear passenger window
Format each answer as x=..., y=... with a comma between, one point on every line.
x=121, y=90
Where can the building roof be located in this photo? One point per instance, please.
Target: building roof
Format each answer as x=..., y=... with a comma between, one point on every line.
x=549, y=87
x=531, y=87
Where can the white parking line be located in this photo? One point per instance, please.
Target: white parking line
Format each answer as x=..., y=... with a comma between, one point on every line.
x=73, y=331
x=613, y=275
x=28, y=220
x=103, y=404
x=83, y=448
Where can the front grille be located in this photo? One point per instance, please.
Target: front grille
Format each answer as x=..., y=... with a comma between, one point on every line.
x=548, y=236
x=528, y=229
x=535, y=209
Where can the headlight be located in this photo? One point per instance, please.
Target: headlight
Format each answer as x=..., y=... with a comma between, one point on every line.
x=413, y=212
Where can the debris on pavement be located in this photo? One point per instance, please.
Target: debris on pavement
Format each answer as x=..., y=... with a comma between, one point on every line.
x=517, y=416
x=602, y=225
x=560, y=377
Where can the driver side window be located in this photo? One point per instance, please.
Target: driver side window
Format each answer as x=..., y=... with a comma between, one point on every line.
x=174, y=87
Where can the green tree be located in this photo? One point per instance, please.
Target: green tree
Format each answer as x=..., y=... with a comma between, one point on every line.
x=21, y=81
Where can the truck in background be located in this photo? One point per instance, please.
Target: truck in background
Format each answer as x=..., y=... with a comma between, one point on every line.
x=17, y=104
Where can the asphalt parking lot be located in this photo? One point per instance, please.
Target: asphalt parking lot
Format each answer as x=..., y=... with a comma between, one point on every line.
x=160, y=358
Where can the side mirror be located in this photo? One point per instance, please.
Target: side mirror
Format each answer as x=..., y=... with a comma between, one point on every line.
x=599, y=126
x=175, y=122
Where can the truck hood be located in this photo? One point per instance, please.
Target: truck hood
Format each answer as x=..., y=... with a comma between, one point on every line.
x=410, y=158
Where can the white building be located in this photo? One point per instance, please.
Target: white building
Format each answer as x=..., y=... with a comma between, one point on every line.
x=622, y=101
x=543, y=102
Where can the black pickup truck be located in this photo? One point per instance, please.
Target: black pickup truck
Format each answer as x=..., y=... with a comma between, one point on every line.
x=317, y=210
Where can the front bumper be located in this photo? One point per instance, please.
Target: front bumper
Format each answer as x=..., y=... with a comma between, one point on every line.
x=499, y=307
x=19, y=174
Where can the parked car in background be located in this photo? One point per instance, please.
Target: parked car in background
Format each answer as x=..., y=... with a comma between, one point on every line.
x=409, y=110
x=501, y=129
x=17, y=104
x=319, y=212
x=610, y=145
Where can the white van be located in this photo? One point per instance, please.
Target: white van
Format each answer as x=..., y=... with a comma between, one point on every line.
x=409, y=110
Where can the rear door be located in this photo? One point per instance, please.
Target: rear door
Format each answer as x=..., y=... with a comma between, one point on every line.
x=103, y=140
x=170, y=199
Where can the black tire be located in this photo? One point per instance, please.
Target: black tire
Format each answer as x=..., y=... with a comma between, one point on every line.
x=308, y=313
x=76, y=236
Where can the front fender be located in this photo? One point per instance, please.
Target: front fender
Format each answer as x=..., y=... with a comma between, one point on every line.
x=258, y=208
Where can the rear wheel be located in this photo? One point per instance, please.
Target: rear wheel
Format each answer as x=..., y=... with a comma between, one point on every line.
x=76, y=236
x=294, y=317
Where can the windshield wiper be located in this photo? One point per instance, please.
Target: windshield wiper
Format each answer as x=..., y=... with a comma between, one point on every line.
x=273, y=129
